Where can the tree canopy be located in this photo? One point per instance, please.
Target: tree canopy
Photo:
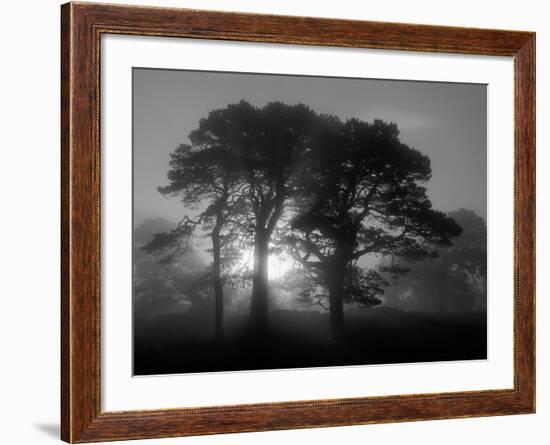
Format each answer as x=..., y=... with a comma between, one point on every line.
x=363, y=193
x=328, y=191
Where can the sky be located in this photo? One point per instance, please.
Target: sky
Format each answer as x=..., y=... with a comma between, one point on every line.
x=445, y=121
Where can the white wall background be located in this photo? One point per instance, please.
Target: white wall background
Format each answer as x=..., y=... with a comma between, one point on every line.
x=29, y=223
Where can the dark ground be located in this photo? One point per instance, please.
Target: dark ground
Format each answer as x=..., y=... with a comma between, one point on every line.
x=181, y=342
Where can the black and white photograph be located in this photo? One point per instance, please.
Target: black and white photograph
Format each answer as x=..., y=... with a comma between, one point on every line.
x=285, y=221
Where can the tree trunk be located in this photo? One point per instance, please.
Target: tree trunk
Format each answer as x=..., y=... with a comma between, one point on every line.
x=336, y=300
x=259, y=303
x=218, y=285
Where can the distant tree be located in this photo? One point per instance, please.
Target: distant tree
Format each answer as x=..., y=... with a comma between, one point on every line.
x=153, y=283
x=361, y=193
x=160, y=283
x=456, y=280
x=467, y=258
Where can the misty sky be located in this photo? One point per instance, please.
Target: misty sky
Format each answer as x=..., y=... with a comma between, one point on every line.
x=446, y=121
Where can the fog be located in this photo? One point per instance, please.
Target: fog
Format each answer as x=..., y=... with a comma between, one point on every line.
x=211, y=294
x=445, y=121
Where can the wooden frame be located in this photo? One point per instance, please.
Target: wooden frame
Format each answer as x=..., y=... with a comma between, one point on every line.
x=82, y=26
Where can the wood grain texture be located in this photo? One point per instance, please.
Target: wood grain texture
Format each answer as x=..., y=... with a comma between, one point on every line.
x=81, y=28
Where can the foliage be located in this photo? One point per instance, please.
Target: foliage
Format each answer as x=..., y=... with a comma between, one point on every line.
x=362, y=193
x=282, y=178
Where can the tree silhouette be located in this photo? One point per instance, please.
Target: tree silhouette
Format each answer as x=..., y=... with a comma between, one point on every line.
x=333, y=191
x=206, y=176
x=266, y=145
x=238, y=172
x=362, y=194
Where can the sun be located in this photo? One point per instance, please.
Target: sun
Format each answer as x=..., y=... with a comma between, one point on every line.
x=277, y=265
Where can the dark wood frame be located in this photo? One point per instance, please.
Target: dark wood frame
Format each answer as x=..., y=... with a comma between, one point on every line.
x=82, y=25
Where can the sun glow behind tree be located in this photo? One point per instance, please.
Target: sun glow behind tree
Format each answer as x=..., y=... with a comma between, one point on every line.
x=278, y=264
x=281, y=189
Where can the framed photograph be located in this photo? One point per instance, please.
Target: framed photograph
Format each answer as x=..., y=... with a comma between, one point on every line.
x=274, y=222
